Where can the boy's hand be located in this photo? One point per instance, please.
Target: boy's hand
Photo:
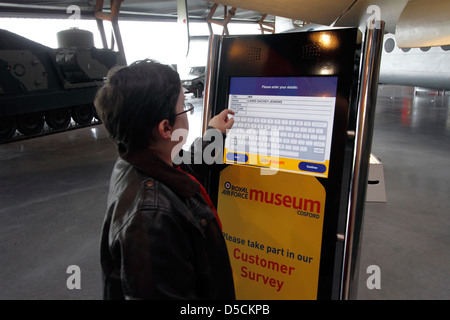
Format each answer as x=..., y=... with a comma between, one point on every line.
x=221, y=122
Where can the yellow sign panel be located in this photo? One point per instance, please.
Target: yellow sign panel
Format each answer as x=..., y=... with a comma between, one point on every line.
x=273, y=228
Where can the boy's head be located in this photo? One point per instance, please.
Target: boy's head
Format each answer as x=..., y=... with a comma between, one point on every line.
x=135, y=99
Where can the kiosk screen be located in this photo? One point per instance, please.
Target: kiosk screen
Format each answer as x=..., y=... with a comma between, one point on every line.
x=283, y=123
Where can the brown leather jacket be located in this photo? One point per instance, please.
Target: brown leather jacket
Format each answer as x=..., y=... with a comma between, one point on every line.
x=160, y=240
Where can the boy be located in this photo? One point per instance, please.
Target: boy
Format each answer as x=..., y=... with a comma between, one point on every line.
x=161, y=236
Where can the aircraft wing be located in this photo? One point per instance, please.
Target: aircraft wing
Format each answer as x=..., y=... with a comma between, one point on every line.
x=323, y=12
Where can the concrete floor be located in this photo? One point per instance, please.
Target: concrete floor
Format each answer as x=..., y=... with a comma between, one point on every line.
x=53, y=197
x=408, y=237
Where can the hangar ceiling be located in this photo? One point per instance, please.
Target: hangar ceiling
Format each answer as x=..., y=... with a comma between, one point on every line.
x=130, y=9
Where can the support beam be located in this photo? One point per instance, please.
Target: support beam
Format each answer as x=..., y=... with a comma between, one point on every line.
x=101, y=16
x=228, y=15
x=265, y=26
x=101, y=29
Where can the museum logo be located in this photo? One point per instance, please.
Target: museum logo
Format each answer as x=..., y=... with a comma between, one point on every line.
x=304, y=207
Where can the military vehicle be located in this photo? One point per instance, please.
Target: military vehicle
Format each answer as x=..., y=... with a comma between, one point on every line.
x=195, y=81
x=41, y=85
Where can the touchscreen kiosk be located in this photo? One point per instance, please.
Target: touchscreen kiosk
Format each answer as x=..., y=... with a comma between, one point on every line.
x=282, y=191
x=282, y=122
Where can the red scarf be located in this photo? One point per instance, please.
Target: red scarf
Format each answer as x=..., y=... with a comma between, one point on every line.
x=206, y=197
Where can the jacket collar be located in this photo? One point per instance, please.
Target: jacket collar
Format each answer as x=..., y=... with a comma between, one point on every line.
x=145, y=161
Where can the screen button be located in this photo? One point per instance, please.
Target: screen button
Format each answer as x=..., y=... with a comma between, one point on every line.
x=312, y=167
x=237, y=157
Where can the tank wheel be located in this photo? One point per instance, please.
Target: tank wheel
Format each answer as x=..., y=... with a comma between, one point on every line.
x=96, y=116
x=58, y=119
x=8, y=127
x=83, y=114
x=29, y=124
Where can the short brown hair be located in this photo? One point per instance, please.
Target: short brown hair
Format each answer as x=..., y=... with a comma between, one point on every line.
x=135, y=99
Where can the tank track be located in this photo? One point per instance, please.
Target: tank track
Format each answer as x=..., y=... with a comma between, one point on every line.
x=47, y=131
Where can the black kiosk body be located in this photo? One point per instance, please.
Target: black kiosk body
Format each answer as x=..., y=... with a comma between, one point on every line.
x=283, y=193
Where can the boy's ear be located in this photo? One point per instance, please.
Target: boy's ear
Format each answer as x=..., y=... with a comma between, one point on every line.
x=165, y=129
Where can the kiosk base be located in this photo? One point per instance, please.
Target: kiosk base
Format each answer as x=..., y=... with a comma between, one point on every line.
x=376, y=190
